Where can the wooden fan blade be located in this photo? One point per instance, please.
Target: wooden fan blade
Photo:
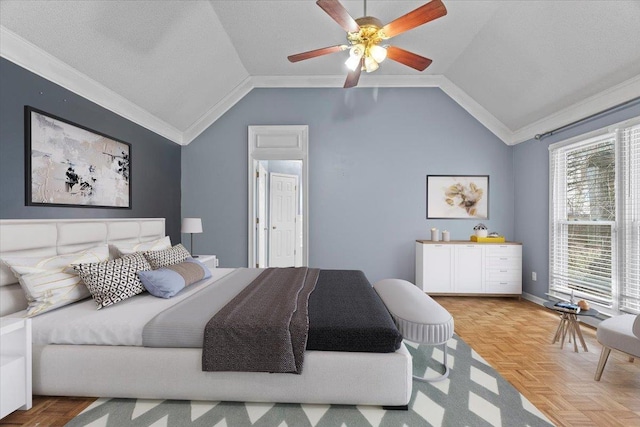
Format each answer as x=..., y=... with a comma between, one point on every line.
x=425, y=13
x=339, y=14
x=354, y=76
x=407, y=58
x=315, y=53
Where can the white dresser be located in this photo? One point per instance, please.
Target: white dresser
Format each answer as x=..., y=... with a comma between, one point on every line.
x=468, y=268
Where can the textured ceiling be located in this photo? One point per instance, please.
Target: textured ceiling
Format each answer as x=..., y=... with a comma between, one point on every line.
x=521, y=61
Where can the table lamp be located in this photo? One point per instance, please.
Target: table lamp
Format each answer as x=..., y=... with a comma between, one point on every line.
x=191, y=226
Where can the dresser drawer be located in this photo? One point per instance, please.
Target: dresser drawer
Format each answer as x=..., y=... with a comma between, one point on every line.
x=503, y=261
x=501, y=274
x=503, y=287
x=504, y=250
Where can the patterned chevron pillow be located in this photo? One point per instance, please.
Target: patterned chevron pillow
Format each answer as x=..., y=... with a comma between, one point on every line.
x=50, y=282
x=174, y=255
x=114, y=281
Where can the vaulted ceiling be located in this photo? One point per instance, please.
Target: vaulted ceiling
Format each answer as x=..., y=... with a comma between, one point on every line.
x=520, y=67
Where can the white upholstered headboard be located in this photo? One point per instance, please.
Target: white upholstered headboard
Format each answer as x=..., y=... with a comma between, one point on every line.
x=48, y=237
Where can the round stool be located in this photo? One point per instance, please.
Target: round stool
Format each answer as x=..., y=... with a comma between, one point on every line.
x=419, y=317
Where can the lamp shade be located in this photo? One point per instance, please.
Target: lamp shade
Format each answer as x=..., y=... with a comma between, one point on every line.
x=191, y=225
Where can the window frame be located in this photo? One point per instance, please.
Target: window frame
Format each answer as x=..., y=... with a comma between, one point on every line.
x=618, y=227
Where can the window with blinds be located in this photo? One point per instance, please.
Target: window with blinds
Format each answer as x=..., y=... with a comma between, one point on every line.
x=595, y=219
x=630, y=230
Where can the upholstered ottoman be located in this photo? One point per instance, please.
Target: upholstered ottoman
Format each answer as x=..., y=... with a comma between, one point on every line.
x=418, y=317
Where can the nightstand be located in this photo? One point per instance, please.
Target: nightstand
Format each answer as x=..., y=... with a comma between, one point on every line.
x=210, y=261
x=15, y=365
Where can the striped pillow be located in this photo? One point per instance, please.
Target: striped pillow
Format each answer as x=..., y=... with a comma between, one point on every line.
x=154, y=245
x=50, y=282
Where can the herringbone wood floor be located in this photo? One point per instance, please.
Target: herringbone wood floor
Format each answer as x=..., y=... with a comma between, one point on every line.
x=514, y=336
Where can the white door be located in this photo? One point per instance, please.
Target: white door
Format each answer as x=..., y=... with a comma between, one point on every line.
x=261, y=219
x=283, y=197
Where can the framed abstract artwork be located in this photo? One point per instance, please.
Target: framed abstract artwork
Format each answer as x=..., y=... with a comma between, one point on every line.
x=70, y=165
x=457, y=196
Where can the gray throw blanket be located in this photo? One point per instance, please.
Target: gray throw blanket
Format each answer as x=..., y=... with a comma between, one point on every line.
x=265, y=327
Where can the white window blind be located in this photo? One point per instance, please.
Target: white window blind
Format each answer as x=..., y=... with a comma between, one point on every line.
x=583, y=219
x=595, y=218
x=630, y=207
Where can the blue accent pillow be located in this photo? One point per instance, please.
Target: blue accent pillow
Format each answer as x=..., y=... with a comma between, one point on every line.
x=167, y=281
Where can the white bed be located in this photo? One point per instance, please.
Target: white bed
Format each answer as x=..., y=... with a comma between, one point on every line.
x=80, y=351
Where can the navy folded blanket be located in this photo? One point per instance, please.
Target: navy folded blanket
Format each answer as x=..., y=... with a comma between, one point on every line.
x=346, y=314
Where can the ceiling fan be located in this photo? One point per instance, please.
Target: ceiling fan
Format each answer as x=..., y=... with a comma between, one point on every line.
x=366, y=34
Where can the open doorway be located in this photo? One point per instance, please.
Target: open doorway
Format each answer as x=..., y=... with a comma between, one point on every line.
x=278, y=194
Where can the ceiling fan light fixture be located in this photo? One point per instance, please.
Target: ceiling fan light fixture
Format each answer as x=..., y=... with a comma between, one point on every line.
x=352, y=62
x=370, y=64
x=378, y=53
x=357, y=50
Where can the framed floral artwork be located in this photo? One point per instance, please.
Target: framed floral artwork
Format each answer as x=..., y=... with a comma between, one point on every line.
x=457, y=196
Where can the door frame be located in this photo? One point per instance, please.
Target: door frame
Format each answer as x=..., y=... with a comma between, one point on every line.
x=277, y=143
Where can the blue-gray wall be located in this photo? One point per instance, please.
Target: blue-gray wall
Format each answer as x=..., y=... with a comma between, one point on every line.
x=155, y=169
x=370, y=151
x=531, y=166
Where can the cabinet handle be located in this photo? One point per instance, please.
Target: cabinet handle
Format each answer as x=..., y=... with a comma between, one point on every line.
x=438, y=246
x=503, y=271
x=503, y=259
x=504, y=283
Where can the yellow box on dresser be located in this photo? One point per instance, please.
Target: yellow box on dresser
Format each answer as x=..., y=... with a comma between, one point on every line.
x=499, y=239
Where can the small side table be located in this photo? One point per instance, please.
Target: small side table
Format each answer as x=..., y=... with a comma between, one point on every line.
x=569, y=325
x=15, y=365
x=210, y=261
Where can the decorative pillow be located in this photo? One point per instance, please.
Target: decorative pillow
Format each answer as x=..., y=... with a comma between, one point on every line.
x=174, y=255
x=114, y=281
x=50, y=282
x=167, y=281
x=154, y=245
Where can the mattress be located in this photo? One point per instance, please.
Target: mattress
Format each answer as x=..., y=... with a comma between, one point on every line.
x=120, y=324
x=345, y=314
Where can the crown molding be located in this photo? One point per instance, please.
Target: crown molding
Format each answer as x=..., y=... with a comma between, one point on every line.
x=487, y=119
x=29, y=56
x=215, y=112
x=601, y=101
x=333, y=81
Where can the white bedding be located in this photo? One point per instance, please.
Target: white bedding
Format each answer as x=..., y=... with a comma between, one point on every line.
x=120, y=324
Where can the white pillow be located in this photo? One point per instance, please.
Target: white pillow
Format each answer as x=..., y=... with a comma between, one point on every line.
x=50, y=282
x=154, y=245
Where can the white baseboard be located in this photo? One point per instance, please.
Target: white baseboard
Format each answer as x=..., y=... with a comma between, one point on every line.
x=533, y=298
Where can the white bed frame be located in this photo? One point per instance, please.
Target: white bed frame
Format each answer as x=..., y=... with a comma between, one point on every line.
x=175, y=373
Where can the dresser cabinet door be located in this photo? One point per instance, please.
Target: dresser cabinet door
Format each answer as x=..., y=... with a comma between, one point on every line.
x=468, y=273
x=437, y=262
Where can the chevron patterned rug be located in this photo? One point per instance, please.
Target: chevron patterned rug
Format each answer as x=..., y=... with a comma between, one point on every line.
x=473, y=395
